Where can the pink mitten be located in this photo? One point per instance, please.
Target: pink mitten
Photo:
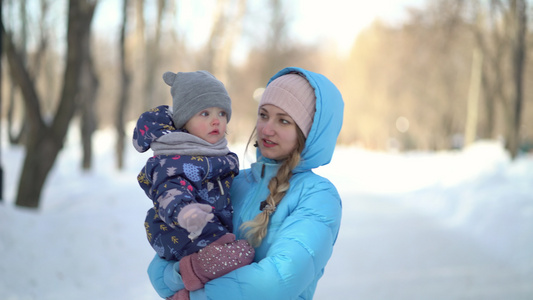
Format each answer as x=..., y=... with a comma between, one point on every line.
x=194, y=217
x=216, y=259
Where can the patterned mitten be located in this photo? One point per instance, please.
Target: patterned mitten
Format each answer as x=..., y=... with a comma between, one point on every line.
x=216, y=259
x=194, y=217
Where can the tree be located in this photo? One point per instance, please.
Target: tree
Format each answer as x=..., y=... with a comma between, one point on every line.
x=1, y=90
x=89, y=84
x=488, y=41
x=45, y=139
x=277, y=40
x=225, y=31
x=151, y=55
x=417, y=71
x=501, y=35
x=517, y=22
x=472, y=108
x=125, y=80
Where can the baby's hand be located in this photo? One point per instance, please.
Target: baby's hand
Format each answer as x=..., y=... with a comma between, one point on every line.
x=194, y=217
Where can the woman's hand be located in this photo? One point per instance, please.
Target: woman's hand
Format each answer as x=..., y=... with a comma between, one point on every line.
x=165, y=277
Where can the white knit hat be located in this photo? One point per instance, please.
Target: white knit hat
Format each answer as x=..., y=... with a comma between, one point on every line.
x=293, y=94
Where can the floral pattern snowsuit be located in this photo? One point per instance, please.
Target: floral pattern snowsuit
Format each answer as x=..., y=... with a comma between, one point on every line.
x=173, y=181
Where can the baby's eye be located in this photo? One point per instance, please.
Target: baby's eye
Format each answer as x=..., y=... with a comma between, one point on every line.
x=222, y=114
x=204, y=114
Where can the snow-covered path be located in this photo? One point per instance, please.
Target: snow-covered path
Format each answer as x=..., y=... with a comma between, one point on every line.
x=387, y=250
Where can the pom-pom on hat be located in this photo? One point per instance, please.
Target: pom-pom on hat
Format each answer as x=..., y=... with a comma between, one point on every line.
x=293, y=94
x=194, y=91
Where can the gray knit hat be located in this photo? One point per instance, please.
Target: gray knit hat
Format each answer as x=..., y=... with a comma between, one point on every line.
x=194, y=91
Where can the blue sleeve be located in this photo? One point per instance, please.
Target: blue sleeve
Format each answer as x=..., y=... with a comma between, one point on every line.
x=165, y=277
x=297, y=256
x=198, y=295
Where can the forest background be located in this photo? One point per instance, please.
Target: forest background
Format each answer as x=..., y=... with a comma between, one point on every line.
x=449, y=73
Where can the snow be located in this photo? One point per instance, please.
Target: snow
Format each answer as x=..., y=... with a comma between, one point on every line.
x=439, y=225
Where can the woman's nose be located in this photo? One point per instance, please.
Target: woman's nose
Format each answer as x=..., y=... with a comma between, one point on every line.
x=267, y=129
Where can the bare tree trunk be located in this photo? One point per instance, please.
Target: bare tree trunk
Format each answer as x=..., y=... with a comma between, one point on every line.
x=276, y=57
x=518, y=24
x=221, y=62
x=152, y=57
x=16, y=138
x=493, y=36
x=36, y=62
x=489, y=130
x=46, y=140
x=89, y=90
x=139, y=24
x=226, y=29
x=1, y=93
x=89, y=85
x=487, y=86
x=140, y=55
x=472, y=111
x=124, y=90
x=217, y=34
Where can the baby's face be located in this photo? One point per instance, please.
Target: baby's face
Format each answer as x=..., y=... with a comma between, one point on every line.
x=208, y=124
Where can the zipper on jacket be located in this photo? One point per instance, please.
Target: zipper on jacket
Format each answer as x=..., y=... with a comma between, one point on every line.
x=220, y=186
x=263, y=171
x=208, y=168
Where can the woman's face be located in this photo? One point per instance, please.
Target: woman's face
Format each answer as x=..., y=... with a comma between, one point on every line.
x=276, y=132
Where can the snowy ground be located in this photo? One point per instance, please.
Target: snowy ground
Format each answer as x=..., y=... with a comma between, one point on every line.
x=450, y=225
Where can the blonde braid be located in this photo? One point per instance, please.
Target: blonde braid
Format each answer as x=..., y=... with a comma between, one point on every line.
x=278, y=187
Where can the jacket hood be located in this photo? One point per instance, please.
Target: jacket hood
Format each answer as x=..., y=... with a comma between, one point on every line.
x=150, y=126
x=327, y=123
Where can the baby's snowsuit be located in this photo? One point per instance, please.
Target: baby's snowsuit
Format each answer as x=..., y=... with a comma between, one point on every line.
x=175, y=179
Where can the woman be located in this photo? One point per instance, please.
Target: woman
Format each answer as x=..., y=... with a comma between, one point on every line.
x=289, y=214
